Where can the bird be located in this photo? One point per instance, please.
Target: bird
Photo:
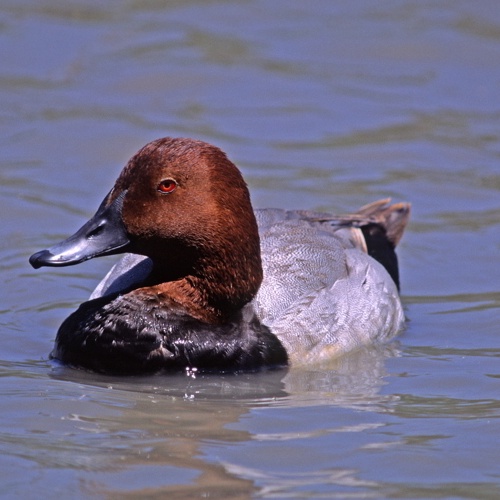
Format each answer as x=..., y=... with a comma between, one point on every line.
x=208, y=283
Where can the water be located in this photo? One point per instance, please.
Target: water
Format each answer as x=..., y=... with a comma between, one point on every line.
x=323, y=105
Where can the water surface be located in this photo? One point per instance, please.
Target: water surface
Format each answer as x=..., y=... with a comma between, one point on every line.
x=323, y=105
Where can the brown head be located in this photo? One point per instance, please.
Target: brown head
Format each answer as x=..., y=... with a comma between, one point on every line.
x=182, y=203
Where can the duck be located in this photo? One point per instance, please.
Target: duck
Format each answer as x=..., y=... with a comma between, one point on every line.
x=209, y=284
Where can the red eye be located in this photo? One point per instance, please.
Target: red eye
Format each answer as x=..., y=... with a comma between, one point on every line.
x=167, y=186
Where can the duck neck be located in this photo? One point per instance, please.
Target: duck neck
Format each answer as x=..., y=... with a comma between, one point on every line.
x=213, y=286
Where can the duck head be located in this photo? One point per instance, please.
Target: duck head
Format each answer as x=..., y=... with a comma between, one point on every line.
x=185, y=205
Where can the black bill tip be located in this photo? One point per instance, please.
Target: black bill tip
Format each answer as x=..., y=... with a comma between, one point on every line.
x=45, y=258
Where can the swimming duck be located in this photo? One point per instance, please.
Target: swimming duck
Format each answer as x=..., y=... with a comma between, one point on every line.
x=208, y=283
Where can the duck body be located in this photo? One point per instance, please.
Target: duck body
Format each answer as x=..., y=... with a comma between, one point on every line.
x=208, y=283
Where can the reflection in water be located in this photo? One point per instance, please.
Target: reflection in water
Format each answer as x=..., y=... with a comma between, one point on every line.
x=352, y=381
x=343, y=381
x=168, y=421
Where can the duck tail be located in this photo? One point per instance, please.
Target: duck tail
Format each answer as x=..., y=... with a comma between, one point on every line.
x=393, y=218
x=383, y=227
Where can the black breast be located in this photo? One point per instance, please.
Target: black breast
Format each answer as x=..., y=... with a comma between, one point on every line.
x=134, y=334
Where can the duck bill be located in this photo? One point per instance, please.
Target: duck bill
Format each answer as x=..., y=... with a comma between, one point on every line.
x=103, y=234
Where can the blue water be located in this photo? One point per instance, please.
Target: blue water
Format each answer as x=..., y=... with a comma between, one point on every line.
x=323, y=105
